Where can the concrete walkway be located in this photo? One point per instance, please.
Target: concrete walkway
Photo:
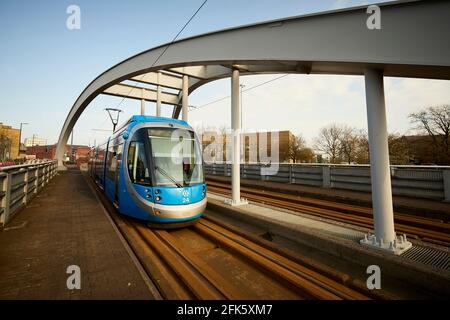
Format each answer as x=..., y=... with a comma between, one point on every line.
x=66, y=225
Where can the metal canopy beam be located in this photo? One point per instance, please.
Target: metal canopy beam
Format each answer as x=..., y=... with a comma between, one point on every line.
x=202, y=72
x=127, y=91
x=165, y=80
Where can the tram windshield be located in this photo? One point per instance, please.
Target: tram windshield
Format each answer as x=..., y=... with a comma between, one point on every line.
x=176, y=157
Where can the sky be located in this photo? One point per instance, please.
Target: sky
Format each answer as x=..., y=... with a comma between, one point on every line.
x=44, y=67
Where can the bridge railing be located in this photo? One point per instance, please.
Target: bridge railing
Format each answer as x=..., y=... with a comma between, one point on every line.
x=19, y=184
x=428, y=182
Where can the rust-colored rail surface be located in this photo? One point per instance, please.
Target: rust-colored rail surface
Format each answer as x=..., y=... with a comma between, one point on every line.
x=424, y=228
x=208, y=261
x=214, y=260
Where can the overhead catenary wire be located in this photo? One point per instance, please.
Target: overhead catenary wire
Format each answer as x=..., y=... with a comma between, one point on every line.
x=165, y=50
x=91, y=136
x=229, y=96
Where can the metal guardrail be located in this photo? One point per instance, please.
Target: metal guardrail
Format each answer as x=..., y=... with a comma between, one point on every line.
x=19, y=184
x=429, y=182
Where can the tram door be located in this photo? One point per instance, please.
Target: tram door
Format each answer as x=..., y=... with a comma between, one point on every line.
x=117, y=173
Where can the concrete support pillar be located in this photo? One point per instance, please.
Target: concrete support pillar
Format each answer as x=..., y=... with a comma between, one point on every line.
x=143, y=102
x=385, y=237
x=158, y=97
x=236, y=135
x=185, y=102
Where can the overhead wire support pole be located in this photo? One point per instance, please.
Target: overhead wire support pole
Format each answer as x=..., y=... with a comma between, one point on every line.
x=242, y=86
x=20, y=132
x=143, y=102
x=158, y=96
x=236, y=145
x=184, y=99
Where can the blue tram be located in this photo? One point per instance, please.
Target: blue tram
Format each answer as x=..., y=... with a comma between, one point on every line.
x=151, y=169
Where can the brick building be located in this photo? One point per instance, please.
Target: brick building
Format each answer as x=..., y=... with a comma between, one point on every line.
x=254, y=143
x=75, y=153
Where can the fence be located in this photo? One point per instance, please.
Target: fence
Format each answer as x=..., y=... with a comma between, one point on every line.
x=19, y=184
x=429, y=182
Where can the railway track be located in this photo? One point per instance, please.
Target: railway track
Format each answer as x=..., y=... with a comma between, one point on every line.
x=426, y=229
x=213, y=260
x=209, y=261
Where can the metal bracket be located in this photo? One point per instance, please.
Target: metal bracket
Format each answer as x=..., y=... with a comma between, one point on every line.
x=397, y=247
x=232, y=203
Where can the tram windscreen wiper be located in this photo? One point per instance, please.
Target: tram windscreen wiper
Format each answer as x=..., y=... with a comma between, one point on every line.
x=169, y=176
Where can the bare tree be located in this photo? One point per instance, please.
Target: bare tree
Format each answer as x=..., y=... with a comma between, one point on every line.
x=329, y=141
x=306, y=155
x=398, y=149
x=362, y=151
x=295, y=147
x=349, y=142
x=435, y=121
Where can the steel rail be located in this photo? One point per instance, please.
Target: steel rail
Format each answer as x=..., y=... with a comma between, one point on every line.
x=191, y=277
x=214, y=278
x=313, y=283
x=440, y=234
x=312, y=264
x=180, y=273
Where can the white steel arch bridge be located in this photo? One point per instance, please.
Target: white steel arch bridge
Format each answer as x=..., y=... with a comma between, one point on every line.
x=413, y=42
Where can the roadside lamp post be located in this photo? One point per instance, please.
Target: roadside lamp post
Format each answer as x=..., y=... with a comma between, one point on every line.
x=20, y=131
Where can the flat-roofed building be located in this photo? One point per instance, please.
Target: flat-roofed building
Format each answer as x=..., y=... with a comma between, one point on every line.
x=35, y=141
x=257, y=146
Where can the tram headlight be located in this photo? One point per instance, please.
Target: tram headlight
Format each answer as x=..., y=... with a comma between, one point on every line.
x=158, y=198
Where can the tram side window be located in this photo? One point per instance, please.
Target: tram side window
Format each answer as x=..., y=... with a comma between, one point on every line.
x=114, y=158
x=137, y=164
x=100, y=156
x=111, y=162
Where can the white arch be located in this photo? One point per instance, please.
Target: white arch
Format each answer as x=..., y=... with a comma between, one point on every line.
x=413, y=42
